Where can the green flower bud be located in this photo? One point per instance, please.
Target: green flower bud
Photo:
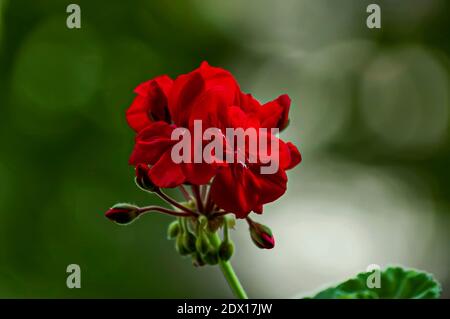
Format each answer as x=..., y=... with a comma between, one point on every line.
x=211, y=258
x=188, y=241
x=202, y=244
x=197, y=260
x=179, y=246
x=226, y=250
x=173, y=230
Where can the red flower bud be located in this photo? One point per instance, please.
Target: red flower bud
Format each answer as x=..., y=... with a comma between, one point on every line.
x=261, y=235
x=143, y=180
x=122, y=213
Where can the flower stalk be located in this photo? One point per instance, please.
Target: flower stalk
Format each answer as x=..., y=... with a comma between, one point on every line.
x=164, y=211
x=228, y=271
x=198, y=198
x=174, y=203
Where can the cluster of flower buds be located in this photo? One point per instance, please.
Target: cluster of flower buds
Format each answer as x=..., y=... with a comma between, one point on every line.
x=196, y=237
x=197, y=222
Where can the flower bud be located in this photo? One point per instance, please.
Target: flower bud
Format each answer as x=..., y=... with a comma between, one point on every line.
x=261, y=235
x=202, y=221
x=188, y=241
x=211, y=258
x=197, y=260
x=226, y=250
x=179, y=246
x=173, y=230
x=122, y=213
x=202, y=244
x=142, y=179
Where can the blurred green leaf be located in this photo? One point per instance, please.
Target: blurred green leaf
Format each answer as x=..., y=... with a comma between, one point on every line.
x=395, y=283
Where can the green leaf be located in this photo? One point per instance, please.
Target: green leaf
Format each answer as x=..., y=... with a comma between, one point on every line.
x=395, y=283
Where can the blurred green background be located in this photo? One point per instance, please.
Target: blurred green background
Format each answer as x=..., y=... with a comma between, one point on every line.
x=370, y=114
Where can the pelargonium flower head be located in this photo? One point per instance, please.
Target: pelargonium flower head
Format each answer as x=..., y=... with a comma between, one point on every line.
x=221, y=148
x=211, y=96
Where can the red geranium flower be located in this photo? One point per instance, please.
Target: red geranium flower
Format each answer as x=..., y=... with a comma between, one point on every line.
x=210, y=95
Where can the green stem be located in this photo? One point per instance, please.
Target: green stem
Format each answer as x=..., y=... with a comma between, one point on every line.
x=228, y=271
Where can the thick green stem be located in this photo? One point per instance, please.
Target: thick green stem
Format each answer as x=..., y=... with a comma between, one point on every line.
x=228, y=272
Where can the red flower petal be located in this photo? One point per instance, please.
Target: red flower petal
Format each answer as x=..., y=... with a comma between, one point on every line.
x=151, y=143
x=237, y=118
x=210, y=108
x=271, y=186
x=165, y=173
x=198, y=173
x=275, y=114
x=234, y=189
x=185, y=90
x=258, y=209
x=240, y=190
x=295, y=155
x=248, y=103
x=150, y=104
x=190, y=92
x=275, y=150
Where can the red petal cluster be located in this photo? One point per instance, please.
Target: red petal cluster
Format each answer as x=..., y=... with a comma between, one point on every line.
x=212, y=95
